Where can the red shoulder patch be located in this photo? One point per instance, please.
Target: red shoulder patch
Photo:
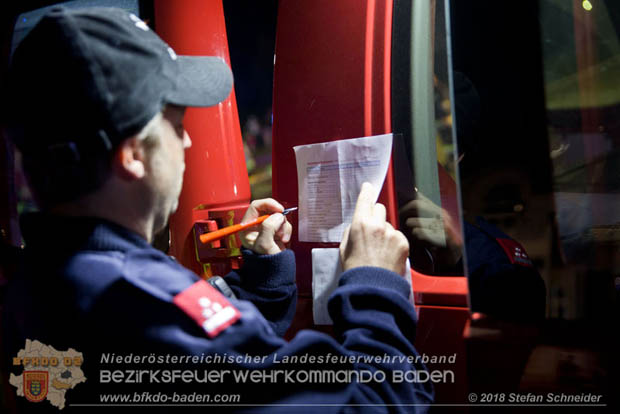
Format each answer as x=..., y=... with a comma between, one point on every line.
x=515, y=252
x=208, y=307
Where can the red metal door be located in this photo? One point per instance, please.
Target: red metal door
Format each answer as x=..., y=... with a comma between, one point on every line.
x=332, y=81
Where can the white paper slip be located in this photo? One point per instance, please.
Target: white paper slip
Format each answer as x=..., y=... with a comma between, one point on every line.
x=326, y=271
x=329, y=178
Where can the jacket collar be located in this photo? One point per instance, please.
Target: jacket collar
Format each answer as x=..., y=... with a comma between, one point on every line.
x=65, y=233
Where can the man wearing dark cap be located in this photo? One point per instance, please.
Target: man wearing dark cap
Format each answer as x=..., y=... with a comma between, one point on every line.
x=97, y=111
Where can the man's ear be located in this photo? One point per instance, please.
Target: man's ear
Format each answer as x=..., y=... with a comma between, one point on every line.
x=129, y=159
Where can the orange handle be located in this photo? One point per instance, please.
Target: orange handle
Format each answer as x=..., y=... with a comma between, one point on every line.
x=227, y=231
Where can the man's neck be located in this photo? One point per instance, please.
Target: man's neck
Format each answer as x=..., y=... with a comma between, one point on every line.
x=114, y=209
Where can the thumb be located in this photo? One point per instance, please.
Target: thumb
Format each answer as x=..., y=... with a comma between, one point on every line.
x=344, y=243
x=266, y=235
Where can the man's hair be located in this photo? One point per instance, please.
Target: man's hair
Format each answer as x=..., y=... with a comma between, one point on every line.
x=57, y=178
x=151, y=132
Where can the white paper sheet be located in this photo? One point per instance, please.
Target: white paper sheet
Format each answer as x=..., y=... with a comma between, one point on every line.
x=330, y=176
x=326, y=270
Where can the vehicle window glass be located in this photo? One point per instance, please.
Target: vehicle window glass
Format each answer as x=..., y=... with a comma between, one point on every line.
x=425, y=151
x=581, y=60
x=538, y=168
x=504, y=166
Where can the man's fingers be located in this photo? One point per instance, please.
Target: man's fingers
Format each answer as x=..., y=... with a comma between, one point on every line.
x=365, y=201
x=251, y=236
x=267, y=205
x=283, y=235
x=288, y=231
x=270, y=236
x=343, y=243
x=402, y=244
x=409, y=209
x=420, y=207
x=423, y=222
x=284, y=232
x=266, y=236
x=379, y=212
x=261, y=207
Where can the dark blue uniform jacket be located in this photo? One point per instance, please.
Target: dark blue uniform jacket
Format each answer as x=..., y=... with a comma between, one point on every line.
x=501, y=284
x=100, y=289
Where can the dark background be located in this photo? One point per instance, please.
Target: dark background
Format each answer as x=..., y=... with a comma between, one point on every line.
x=251, y=29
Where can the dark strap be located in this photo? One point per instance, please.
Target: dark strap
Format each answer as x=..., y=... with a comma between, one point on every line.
x=220, y=284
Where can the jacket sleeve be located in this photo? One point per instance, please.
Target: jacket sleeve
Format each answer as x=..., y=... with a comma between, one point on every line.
x=498, y=287
x=363, y=366
x=268, y=281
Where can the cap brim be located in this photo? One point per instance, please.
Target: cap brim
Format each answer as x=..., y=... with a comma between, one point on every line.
x=202, y=81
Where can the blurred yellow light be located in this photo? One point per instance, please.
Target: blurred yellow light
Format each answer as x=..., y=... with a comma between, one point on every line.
x=587, y=5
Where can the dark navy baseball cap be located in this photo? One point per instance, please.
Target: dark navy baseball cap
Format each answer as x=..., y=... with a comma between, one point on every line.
x=89, y=78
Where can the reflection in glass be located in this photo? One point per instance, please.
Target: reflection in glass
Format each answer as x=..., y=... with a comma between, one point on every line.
x=424, y=148
x=503, y=160
x=581, y=54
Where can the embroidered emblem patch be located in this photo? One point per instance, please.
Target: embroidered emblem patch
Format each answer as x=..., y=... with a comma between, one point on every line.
x=515, y=252
x=208, y=307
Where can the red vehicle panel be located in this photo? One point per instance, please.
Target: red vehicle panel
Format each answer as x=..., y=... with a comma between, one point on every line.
x=216, y=186
x=332, y=81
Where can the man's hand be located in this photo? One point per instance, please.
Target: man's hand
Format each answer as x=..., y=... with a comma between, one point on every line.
x=370, y=240
x=428, y=225
x=271, y=235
